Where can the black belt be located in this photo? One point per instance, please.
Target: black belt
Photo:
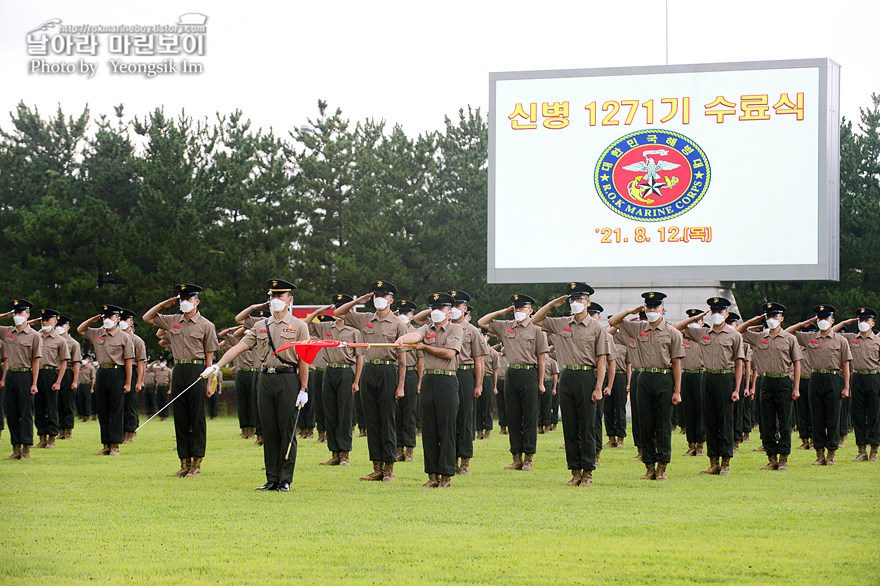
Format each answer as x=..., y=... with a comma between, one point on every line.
x=278, y=370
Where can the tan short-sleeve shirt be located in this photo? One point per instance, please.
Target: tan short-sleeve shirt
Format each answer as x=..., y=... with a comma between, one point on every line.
x=472, y=344
x=86, y=373
x=720, y=349
x=288, y=329
x=113, y=347
x=190, y=339
x=622, y=356
x=55, y=350
x=376, y=330
x=656, y=346
x=74, y=348
x=243, y=360
x=773, y=353
x=490, y=362
x=825, y=352
x=865, y=351
x=140, y=347
x=551, y=367
x=577, y=343
x=163, y=376
x=632, y=346
x=448, y=335
x=20, y=347
x=522, y=341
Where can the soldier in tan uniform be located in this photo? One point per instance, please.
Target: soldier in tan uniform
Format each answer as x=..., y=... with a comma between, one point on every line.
x=525, y=347
x=829, y=353
x=408, y=405
x=440, y=342
x=85, y=389
x=778, y=362
x=491, y=364
x=384, y=375
x=163, y=388
x=691, y=399
x=865, y=347
x=70, y=380
x=149, y=389
x=615, y=404
x=244, y=369
x=595, y=311
x=114, y=350
x=341, y=380
x=193, y=341
x=283, y=382
x=22, y=350
x=802, y=405
x=723, y=354
x=247, y=318
x=551, y=381
x=133, y=399
x=582, y=348
x=53, y=365
x=660, y=350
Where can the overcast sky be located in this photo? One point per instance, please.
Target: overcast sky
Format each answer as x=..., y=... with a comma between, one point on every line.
x=412, y=62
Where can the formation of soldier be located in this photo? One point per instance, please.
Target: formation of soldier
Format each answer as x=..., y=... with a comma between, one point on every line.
x=433, y=373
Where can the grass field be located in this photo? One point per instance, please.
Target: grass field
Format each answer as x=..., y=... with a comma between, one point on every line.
x=70, y=517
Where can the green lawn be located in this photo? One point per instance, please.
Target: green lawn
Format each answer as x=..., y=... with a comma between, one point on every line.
x=70, y=517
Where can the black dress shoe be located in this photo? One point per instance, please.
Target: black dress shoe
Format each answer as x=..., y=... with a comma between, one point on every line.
x=268, y=486
x=282, y=486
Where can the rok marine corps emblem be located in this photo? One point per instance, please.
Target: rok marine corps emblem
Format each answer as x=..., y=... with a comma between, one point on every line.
x=652, y=175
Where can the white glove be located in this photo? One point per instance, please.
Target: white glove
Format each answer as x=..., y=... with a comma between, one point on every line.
x=213, y=369
x=302, y=399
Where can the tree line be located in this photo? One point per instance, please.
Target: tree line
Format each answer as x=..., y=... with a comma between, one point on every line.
x=118, y=209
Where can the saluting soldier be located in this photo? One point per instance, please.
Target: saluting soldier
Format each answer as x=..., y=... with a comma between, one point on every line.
x=802, y=405
x=22, y=350
x=595, y=311
x=193, y=341
x=341, y=380
x=491, y=364
x=691, y=399
x=133, y=400
x=248, y=317
x=615, y=404
x=408, y=405
x=503, y=363
x=384, y=375
x=865, y=384
x=525, y=347
x=114, y=350
x=229, y=337
x=440, y=342
x=778, y=363
x=469, y=372
x=582, y=348
x=723, y=354
x=53, y=365
x=661, y=349
x=280, y=393
x=829, y=354
x=70, y=380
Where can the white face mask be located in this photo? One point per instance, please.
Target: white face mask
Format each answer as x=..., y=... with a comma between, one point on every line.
x=277, y=305
x=403, y=318
x=437, y=316
x=455, y=313
x=823, y=324
x=19, y=319
x=864, y=326
x=108, y=323
x=187, y=306
x=653, y=315
x=47, y=329
x=380, y=303
x=520, y=315
x=576, y=307
x=772, y=323
x=60, y=330
x=123, y=325
x=716, y=319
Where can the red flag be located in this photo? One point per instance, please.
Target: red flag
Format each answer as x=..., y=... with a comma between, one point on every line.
x=308, y=349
